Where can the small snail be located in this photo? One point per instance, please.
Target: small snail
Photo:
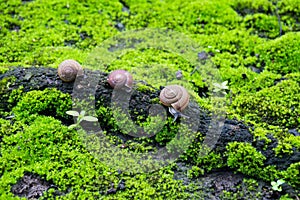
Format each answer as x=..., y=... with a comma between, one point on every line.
x=68, y=70
x=120, y=79
x=176, y=98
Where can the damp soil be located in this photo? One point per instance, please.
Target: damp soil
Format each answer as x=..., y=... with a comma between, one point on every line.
x=212, y=184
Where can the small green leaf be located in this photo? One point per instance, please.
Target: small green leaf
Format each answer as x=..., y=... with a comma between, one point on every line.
x=217, y=85
x=280, y=182
x=72, y=126
x=72, y=113
x=224, y=84
x=273, y=183
x=90, y=119
x=82, y=113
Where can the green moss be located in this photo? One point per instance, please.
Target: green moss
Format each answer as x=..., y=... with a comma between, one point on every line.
x=244, y=158
x=56, y=154
x=276, y=105
x=29, y=28
x=287, y=144
x=3, y=69
x=292, y=174
x=144, y=88
x=263, y=25
x=178, y=15
x=282, y=54
x=49, y=101
x=260, y=133
x=289, y=12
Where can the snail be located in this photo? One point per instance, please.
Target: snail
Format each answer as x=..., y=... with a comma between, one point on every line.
x=176, y=98
x=120, y=79
x=68, y=70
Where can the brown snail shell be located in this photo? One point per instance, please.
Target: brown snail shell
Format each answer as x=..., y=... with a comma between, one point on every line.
x=119, y=79
x=175, y=96
x=68, y=70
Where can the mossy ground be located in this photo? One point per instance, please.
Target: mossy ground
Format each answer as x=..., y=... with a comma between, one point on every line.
x=254, y=44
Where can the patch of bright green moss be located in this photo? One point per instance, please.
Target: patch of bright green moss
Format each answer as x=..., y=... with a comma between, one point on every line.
x=27, y=29
x=54, y=152
x=277, y=105
x=282, y=54
x=289, y=11
x=244, y=158
x=49, y=102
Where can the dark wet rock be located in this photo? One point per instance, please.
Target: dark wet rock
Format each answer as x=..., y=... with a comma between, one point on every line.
x=70, y=42
x=212, y=185
x=112, y=190
x=256, y=70
x=30, y=186
x=121, y=185
x=83, y=35
x=125, y=7
x=179, y=75
x=282, y=163
x=233, y=131
x=181, y=171
x=202, y=55
x=294, y=132
x=120, y=26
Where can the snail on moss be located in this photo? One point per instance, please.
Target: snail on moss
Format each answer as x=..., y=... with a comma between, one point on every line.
x=68, y=70
x=120, y=79
x=176, y=98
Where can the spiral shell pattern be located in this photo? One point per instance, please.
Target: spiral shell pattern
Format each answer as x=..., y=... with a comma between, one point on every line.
x=119, y=79
x=68, y=70
x=175, y=96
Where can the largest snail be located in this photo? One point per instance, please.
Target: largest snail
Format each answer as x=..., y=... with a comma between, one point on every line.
x=68, y=70
x=176, y=98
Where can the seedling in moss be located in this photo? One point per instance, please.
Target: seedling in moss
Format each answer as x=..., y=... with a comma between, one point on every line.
x=80, y=117
x=221, y=87
x=277, y=185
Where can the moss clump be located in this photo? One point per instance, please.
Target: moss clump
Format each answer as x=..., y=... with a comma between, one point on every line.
x=281, y=55
x=49, y=102
x=244, y=158
x=194, y=17
x=54, y=152
x=27, y=29
x=263, y=25
x=277, y=105
x=289, y=11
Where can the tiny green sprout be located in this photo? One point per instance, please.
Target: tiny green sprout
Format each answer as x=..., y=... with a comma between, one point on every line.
x=277, y=185
x=80, y=117
x=221, y=87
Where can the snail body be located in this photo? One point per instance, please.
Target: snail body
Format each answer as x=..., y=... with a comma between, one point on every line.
x=175, y=96
x=68, y=70
x=120, y=79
